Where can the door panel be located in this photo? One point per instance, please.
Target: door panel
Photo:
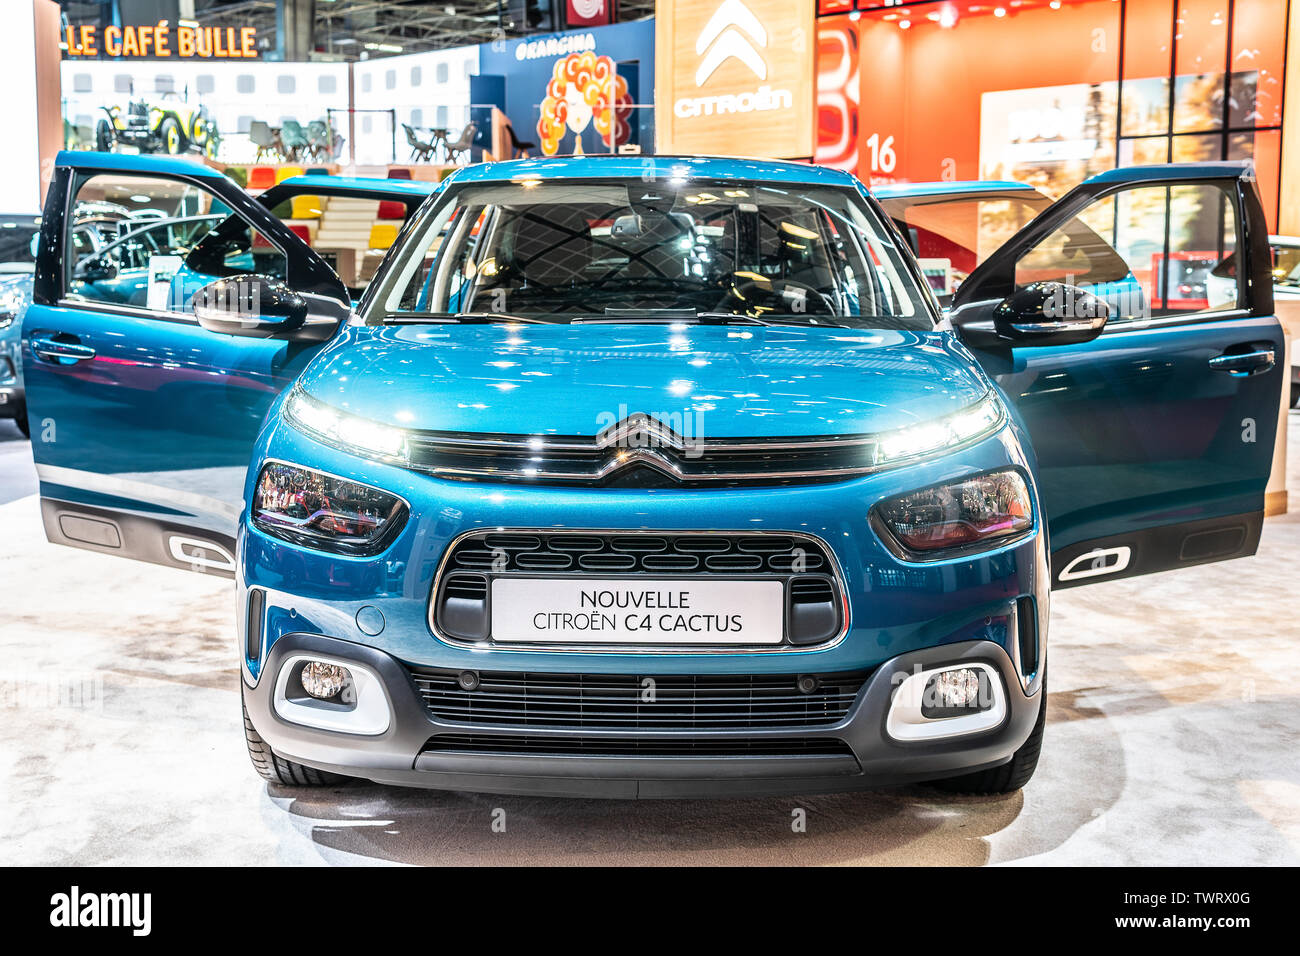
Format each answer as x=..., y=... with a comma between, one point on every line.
x=1154, y=440
x=143, y=421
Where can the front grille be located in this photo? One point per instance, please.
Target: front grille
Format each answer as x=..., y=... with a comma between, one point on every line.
x=461, y=607
x=636, y=746
x=642, y=452
x=618, y=701
x=660, y=554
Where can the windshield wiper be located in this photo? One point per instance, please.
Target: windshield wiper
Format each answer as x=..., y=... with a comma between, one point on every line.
x=463, y=318
x=620, y=316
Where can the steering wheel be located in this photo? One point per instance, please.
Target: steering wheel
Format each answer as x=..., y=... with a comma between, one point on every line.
x=783, y=296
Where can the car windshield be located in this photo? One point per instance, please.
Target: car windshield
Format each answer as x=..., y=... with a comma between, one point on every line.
x=623, y=250
x=17, y=248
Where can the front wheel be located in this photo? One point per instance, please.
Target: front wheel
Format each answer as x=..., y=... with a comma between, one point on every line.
x=276, y=769
x=172, y=138
x=104, y=136
x=1009, y=777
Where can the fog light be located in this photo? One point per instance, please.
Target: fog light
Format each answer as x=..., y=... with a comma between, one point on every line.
x=322, y=680
x=962, y=690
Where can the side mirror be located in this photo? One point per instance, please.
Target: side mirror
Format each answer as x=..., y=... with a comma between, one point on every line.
x=1050, y=313
x=252, y=305
x=95, y=269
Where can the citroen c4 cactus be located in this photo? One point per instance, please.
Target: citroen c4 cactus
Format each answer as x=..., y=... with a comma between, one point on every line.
x=658, y=476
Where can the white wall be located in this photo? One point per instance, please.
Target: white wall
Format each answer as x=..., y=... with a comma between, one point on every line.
x=20, y=160
x=234, y=93
x=426, y=89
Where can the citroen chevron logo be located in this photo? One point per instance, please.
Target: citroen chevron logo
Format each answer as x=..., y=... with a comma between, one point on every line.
x=724, y=38
x=641, y=440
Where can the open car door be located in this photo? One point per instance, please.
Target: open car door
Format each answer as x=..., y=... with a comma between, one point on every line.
x=1154, y=431
x=143, y=421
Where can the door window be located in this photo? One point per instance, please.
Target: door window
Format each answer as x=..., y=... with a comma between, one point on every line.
x=157, y=242
x=1149, y=251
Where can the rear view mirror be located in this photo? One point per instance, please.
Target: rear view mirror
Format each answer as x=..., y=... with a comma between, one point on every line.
x=1050, y=313
x=625, y=227
x=252, y=305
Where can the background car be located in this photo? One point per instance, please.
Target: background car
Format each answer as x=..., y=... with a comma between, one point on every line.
x=1286, y=293
x=18, y=238
x=168, y=125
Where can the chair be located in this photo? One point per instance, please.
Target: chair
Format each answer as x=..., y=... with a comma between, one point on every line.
x=261, y=177
x=463, y=143
x=318, y=135
x=382, y=235
x=399, y=172
x=421, y=152
x=391, y=209
x=295, y=142
x=287, y=172
x=518, y=148
x=318, y=171
x=263, y=137
x=305, y=206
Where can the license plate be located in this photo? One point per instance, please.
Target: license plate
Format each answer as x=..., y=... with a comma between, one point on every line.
x=641, y=611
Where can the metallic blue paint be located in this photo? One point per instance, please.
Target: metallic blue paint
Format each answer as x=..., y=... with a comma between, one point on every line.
x=730, y=381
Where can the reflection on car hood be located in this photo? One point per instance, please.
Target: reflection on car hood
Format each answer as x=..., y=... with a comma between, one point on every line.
x=718, y=381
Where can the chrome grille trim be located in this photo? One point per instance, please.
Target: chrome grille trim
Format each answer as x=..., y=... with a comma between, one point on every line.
x=644, y=442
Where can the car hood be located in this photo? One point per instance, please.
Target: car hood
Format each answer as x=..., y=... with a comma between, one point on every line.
x=715, y=381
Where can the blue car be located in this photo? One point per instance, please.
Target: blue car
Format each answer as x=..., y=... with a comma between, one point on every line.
x=654, y=476
x=17, y=262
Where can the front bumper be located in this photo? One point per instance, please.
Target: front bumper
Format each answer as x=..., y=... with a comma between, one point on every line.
x=406, y=752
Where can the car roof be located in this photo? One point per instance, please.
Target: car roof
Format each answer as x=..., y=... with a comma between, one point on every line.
x=131, y=162
x=970, y=187
x=325, y=183
x=658, y=166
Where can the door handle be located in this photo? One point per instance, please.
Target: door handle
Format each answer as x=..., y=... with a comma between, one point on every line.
x=1242, y=364
x=53, y=350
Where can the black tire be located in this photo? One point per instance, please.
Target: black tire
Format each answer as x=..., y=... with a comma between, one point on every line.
x=277, y=769
x=104, y=136
x=1009, y=777
x=172, y=137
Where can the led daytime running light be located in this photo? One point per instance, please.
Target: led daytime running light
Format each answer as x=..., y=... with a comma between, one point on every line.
x=926, y=438
x=340, y=428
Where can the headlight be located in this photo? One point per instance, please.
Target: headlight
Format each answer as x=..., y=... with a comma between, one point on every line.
x=319, y=511
x=926, y=438
x=339, y=428
x=11, y=303
x=980, y=511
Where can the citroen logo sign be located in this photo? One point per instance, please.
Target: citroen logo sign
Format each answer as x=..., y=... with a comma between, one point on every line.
x=733, y=32
x=642, y=440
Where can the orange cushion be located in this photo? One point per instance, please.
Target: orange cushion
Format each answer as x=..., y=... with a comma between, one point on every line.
x=261, y=177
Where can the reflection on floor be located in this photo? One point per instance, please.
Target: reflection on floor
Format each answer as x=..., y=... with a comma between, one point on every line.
x=1170, y=740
